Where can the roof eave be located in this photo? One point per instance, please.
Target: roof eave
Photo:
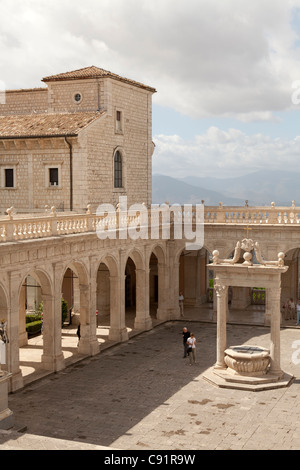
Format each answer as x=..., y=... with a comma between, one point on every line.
x=42, y=136
x=123, y=80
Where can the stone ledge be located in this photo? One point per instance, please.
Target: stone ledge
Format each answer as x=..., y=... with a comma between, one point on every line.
x=223, y=379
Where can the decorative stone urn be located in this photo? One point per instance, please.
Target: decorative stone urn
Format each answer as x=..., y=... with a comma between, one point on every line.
x=247, y=360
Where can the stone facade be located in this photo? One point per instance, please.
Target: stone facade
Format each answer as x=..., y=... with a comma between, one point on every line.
x=73, y=128
x=76, y=125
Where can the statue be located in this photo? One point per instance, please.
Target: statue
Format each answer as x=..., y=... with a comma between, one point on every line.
x=3, y=341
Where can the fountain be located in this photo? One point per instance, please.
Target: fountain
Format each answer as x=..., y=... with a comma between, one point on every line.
x=246, y=366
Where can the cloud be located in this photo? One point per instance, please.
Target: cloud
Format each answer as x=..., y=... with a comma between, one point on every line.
x=231, y=58
x=223, y=154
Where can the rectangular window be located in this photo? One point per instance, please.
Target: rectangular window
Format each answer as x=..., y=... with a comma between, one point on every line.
x=9, y=178
x=119, y=121
x=53, y=176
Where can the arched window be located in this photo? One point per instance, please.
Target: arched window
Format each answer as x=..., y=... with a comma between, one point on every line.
x=118, y=170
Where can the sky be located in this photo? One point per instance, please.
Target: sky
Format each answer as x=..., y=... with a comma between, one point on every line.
x=227, y=72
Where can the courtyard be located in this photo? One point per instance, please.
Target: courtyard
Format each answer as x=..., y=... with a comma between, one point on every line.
x=143, y=395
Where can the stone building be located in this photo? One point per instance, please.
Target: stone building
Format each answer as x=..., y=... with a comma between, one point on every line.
x=83, y=139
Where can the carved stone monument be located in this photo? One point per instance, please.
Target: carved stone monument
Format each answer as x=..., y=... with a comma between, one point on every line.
x=248, y=366
x=6, y=415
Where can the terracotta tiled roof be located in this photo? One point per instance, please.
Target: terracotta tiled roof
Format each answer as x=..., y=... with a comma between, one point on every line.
x=45, y=125
x=93, y=72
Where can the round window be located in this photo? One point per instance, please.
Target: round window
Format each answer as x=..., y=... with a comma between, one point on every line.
x=78, y=97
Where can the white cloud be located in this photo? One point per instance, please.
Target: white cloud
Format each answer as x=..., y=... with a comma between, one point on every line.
x=206, y=58
x=223, y=154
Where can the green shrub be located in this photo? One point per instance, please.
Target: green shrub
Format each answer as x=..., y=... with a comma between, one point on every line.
x=32, y=318
x=34, y=327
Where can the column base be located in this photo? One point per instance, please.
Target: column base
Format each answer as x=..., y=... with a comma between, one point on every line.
x=53, y=363
x=119, y=335
x=143, y=324
x=23, y=339
x=16, y=381
x=89, y=348
x=168, y=314
x=6, y=415
x=220, y=367
x=6, y=419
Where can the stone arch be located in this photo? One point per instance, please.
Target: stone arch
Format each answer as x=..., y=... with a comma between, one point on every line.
x=194, y=275
x=3, y=302
x=181, y=248
x=42, y=277
x=79, y=268
x=28, y=358
x=137, y=290
x=75, y=284
x=106, y=275
x=159, y=252
x=111, y=262
x=137, y=257
x=290, y=283
x=45, y=283
x=158, y=281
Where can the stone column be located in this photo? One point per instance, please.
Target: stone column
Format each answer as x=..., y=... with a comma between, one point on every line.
x=13, y=355
x=268, y=309
x=88, y=344
x=274, y=300
x=52, y=357
x=164, y=308
x=168, y=279
x=118, y=331
x=222, y=296
x=23, y=337
x=76, y=295
x=142, y=319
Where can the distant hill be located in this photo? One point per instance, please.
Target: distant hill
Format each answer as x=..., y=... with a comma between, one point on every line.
x=165, y=188
x=259, y=188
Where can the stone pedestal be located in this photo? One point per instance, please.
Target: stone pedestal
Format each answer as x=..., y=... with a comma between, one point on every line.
x=6, y=415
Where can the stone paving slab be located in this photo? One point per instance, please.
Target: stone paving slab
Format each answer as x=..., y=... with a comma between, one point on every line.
x=143, y=395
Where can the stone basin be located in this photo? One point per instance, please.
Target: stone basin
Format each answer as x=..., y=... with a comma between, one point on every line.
x=247, y=360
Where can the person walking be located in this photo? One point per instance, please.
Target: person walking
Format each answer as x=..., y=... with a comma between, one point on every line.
x=185, y=335
x=191, y=342
x=181, y=299
x=78, y=332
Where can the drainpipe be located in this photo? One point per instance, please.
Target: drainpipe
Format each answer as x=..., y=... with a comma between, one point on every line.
x=71, y=172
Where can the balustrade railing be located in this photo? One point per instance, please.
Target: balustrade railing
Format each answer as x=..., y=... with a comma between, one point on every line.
x=17, y=227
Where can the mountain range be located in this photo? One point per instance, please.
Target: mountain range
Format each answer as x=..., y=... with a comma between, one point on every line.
x=259, y=188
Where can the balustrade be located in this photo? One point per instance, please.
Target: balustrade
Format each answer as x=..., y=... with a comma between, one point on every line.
x=17, y=227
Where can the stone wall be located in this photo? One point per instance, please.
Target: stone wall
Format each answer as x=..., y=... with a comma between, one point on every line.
x=25, y=101
x=31, y=159
x=93, y=150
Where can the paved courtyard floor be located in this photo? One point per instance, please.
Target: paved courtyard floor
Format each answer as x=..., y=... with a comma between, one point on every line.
x=143, y=395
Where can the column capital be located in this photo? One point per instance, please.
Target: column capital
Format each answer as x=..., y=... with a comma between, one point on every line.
x=220, y=289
